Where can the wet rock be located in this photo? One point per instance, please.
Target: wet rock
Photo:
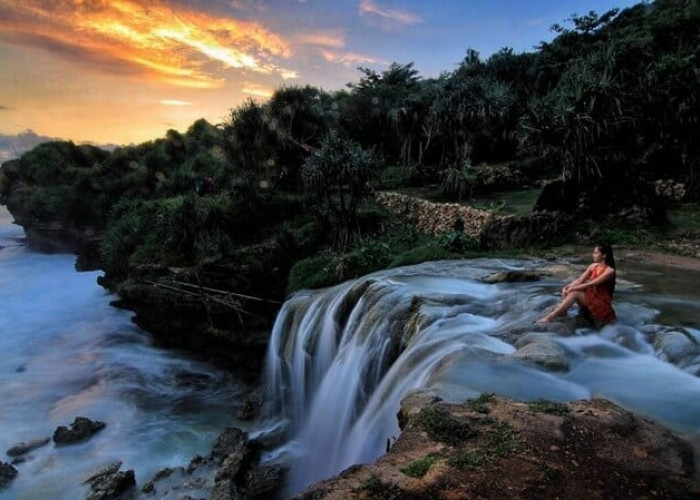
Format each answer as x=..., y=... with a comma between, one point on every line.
x=512, y=277
x=262, y=479
x=7, y=474
x=231, y=441
x=542, y=351
x=150, y=486
x=82, y=428
x=108, y=483
x=226, y=490
x=26, y=446
x=250, y=408
x=676, y=346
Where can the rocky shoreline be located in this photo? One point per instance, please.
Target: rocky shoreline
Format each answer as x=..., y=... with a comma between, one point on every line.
x=484, y=448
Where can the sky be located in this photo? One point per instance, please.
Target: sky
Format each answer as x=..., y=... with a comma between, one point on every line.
x=126, y=71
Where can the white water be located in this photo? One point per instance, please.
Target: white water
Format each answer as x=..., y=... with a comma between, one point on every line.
x=338, y=366
x=65, y=352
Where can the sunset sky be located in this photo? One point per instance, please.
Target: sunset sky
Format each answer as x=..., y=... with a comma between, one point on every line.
x=125, y=71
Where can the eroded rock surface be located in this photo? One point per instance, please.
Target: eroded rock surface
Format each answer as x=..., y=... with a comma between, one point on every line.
x=495, y=448
x=81, y=429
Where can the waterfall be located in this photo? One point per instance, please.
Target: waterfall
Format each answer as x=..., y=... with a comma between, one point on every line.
x=341, y=360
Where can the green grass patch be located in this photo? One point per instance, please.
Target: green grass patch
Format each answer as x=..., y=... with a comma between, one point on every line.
x=378, y=489
x=502, y=440
x=419, y=468
x=443, y=427
x=549, y=407
x=516, y=202
x=469, y=459
x=480, y=404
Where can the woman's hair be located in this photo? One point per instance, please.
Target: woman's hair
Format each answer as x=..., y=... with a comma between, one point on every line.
x=607, y=251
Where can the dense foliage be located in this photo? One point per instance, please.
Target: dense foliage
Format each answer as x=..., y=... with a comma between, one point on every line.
x=613, y=97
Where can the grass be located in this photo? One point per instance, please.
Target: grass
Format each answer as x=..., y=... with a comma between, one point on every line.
x=549, y=407
x=469, y=459
x=479, y=404
x=443, y=427
x=379, y=490
x=516, y=202
x=418, y=468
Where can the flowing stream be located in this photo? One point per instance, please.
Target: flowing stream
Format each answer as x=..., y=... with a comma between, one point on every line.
x=65, y=352
x=339, y=363
x=341, y=360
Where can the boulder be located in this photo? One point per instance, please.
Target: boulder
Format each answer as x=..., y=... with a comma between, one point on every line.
x=109, y=483
x=26, y=446
x=262, y=479
x=7, y=474
x=82, y=428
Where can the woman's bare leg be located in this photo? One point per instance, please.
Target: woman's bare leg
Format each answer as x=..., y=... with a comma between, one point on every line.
x=563, y=306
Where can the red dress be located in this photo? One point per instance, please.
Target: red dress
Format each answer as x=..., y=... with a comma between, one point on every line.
x=598, y=298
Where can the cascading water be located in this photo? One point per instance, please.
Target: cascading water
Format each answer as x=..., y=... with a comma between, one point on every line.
x=341, y=360
x=65, y=352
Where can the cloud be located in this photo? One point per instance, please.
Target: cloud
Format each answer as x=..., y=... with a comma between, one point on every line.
x=165, y=42
x=350, y=58
x=367, y=7
x=330, y=39
x=4, y=108
x=257, y=91
x=174, y=102
x=535, y=22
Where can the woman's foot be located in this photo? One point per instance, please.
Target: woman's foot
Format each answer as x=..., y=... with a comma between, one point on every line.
x=547, y=319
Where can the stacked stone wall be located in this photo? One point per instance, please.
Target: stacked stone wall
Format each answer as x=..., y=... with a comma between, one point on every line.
x=435, y=218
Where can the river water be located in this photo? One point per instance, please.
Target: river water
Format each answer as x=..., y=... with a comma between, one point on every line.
x=65, y=352
x=339, y=363
x=341, y=360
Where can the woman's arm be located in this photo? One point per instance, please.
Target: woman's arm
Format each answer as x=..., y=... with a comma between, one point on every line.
x=607, y=275
x=584, y=276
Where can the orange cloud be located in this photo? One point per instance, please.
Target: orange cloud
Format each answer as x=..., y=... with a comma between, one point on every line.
x=257, y=91
x=397, y=16
x=174, y=102
x=350, y=58
x=322, y=39
x=174, y=44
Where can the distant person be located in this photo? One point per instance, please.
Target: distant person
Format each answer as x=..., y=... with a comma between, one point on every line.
x=592, y=290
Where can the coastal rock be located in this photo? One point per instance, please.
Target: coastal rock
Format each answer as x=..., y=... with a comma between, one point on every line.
x=262, y=479
x=82, y=428
x=7, y=474
x=226, y=490
x=231, y=441
x=579, y=451
x=108, y=483
x=26, y=446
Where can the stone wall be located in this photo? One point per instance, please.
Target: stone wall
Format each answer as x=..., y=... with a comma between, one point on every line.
x=435, y=218
x=489, y=229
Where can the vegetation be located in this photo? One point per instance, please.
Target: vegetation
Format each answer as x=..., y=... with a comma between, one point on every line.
x=613, y=99
x=544, y=406
x=419, y=468
x=442, y=426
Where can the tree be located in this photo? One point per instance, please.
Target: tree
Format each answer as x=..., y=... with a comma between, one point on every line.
x=338, y=176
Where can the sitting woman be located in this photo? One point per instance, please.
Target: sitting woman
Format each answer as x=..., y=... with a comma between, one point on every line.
x=592, y=290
